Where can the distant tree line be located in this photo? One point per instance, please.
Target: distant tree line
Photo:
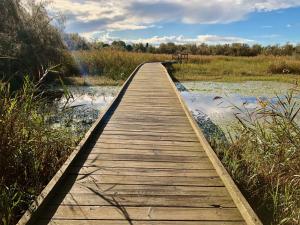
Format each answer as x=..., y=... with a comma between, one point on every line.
x=76, y=42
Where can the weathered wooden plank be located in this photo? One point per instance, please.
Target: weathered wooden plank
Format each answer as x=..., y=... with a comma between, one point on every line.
x=143, y=172
x=153, y=146
x=147, y=137
x=147, y=142
x=141, y=190
x=149, y=126
x=134, y=222
x=150, y=201
x=150, y=121
x=143, y=94
x=150, y=180
x=149, y=151
x=143, y=105
x=142, y=157
x=109, y=130
x=148, y=112
x=142, y=127
x=146, y=117
x=205, y=164
x=152, y=100
x=143, y=213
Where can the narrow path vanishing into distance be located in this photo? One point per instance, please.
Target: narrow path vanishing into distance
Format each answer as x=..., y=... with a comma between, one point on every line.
x=144, y=162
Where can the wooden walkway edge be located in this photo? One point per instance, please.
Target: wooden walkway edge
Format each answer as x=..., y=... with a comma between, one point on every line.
x=144, y=161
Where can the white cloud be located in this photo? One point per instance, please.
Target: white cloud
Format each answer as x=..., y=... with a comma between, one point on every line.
x=156, y=40
x=214, y=39
x=93, y=15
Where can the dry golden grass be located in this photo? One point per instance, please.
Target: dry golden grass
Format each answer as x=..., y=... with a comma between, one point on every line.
x=112, y=64
x=112, y=67
x=236, y=69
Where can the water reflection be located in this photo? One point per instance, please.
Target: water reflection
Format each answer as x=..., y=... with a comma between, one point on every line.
x=214, y=101
x=95, y=97
x=84, y=106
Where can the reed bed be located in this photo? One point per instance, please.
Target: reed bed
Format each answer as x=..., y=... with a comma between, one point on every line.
x=236, y=69
x=31, y=150
x=263, y=158
x=109, y=64
x=112, y=67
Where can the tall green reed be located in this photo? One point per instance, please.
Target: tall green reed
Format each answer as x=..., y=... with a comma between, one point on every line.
x=31, y=149
x=263, y=157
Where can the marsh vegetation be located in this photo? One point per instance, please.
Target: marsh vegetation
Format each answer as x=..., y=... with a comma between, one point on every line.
x=31, y=151
x=108, y=66
x=236, y=69
x=256, y=134
x=263, y=158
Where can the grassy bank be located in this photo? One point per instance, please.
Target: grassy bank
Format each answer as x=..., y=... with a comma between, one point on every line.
x=108, y=66
x=31, y=149
x=263, y=158
x=236, y=69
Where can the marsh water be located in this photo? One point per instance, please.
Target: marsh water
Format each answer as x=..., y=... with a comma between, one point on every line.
x=90, y=97
x=83, y=105
x=212, y=103
x=217, y=102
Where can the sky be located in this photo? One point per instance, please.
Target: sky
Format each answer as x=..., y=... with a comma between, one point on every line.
x=183, y=21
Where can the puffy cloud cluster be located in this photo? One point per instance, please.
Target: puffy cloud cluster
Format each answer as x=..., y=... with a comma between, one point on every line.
x=98, y=18
x=208, y=39
x=156, y=40
x=91, y=15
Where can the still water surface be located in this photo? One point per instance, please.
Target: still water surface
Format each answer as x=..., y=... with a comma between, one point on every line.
x=208, y=101
x=84, y=106
x=215, y=100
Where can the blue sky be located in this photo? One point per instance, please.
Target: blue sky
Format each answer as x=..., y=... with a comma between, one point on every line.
x=184, y=21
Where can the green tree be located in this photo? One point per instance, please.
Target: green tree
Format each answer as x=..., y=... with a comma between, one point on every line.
x=28, y=40
x=75, y=42
x=119, y=45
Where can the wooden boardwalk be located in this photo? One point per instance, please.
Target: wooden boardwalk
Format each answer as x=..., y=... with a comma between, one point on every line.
x=146, y=165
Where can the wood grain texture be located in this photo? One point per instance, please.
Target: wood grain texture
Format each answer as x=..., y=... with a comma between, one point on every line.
x=146, y=167
x=140, y=222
